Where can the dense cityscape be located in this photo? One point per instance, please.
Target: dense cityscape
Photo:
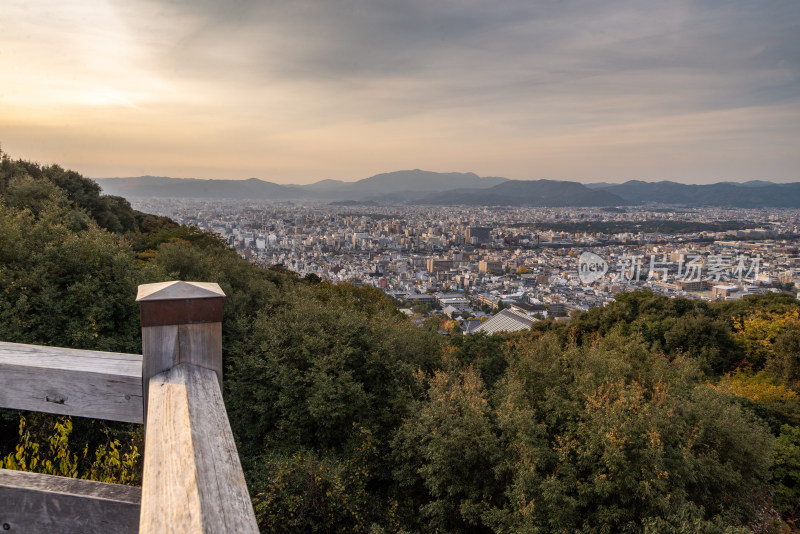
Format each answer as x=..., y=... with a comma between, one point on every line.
x=470, y=263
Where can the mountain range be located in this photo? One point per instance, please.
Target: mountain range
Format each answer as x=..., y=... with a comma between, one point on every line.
x=163, y=187
x=755, y=194
x=433, y=188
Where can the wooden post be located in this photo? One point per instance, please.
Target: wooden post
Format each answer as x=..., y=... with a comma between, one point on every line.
x=193, y=479
x=181, y=323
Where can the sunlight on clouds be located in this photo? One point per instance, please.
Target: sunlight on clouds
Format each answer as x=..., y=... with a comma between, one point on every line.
x=59, y=58
x=106, y=97
x=299, y=91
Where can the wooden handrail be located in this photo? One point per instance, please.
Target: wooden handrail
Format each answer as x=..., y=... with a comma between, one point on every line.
x=192, y=480
x=32, y=502
x=83, y=383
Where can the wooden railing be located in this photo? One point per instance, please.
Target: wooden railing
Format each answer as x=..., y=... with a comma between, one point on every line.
x=192, y=480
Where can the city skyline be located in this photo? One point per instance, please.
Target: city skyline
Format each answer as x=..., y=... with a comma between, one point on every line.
x=693, y=92
x=568, y=259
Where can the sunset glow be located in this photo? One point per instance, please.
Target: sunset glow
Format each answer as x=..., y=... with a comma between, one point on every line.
x=295, y=92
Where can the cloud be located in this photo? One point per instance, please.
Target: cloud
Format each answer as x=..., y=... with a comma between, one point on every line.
x=413, y=75
x=691, y=55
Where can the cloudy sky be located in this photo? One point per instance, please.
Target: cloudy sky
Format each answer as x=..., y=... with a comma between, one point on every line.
x=297, y=91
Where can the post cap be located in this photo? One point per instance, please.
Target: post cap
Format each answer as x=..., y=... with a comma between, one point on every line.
x=178, y=290
x=176, y=303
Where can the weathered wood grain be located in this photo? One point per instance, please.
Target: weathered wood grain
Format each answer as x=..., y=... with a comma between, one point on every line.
x=160, y=352
x=166, y=346
x=34, y=503
x=193, y=480
x=84, y=383
x=201, y=345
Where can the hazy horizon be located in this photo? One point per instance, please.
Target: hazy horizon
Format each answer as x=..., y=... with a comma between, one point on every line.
x=589, y=182
x=694, y=91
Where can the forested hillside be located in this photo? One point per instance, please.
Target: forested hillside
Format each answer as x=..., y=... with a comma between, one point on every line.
x=649, y=415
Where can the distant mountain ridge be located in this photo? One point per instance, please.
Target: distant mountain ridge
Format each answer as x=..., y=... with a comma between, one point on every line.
x=418, y=180
x=529, y=193
x=163, y=187
x=399, y=186
x=754, y=194
x=434, y=188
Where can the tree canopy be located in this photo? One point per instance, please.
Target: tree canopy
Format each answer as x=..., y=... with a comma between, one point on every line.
x=648, y=415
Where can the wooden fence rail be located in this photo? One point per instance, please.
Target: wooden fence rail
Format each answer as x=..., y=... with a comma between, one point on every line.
x=192, y=480
x=192, y=471
x=84, y=383
x=31, y=502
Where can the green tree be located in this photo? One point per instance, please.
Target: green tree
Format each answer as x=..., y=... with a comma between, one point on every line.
x=449, y=448
x=787, y=472
x=302, y=492
x=65, y=288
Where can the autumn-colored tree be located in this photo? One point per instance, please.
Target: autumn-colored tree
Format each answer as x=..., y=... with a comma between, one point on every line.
x=109, y=463
x=758, y=333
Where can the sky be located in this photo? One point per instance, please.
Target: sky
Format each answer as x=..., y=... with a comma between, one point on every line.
x=298, y=91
